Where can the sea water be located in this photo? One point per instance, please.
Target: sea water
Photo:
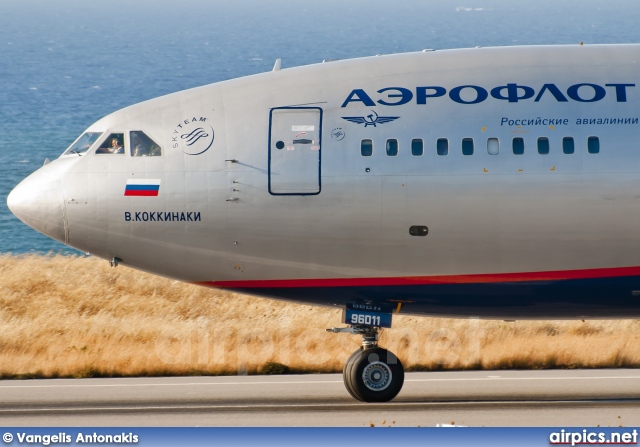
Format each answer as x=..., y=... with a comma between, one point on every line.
x=66, y=63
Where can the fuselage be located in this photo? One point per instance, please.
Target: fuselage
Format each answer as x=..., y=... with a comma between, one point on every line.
x=489, y=182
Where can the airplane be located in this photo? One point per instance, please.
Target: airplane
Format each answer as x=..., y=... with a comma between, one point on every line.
x=495, y=183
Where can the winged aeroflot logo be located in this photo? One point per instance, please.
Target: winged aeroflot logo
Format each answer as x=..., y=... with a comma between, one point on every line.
x=369, y=120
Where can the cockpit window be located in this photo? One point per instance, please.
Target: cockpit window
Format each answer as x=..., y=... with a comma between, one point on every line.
x=142, y=145
x=83, y=143
x=114, y=144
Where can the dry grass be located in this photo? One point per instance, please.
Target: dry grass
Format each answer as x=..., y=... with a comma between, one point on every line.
x=76, y=317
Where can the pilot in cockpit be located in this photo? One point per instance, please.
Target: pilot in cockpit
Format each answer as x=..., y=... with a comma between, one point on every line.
x=115, y=148
x=140, y=148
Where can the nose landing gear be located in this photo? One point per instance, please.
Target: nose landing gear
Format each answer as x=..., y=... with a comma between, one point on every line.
x=371, y=374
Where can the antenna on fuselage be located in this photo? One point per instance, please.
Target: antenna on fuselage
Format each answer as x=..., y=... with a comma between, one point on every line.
x=277, y=65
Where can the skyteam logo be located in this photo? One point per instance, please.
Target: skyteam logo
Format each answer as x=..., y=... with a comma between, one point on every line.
x=193, y=136
x=370, y=120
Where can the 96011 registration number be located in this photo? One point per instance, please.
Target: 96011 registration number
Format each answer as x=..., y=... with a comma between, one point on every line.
x=366, y=318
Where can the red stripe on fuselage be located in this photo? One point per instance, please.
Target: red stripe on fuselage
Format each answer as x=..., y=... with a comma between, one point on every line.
x=614, y=272
x=141, y=192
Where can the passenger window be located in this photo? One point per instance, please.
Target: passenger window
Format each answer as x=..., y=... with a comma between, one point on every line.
x=493, y=146
x=392, y=148
x=467, y=146
x=543, y=145
x=143, y=146
x=568, y=146
x=366, y=148
x=442, y=146
x=417, y=147
x=593, y=145
x=114, y=144
x=517, y=144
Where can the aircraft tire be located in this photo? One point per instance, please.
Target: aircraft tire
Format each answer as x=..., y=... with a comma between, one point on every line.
x=373, y=375
x=346, y=371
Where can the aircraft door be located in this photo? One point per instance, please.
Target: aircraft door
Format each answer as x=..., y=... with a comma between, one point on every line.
x=295, y=150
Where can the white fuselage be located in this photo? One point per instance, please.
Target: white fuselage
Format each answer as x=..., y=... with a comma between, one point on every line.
x=265, y=183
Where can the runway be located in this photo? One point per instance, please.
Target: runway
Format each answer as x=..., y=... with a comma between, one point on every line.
x=471, y=398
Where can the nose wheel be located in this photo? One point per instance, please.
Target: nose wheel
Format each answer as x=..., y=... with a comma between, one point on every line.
x=371, y=374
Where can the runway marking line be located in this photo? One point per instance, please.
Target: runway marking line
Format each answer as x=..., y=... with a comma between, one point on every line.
x=387, y=405
x=472, y=379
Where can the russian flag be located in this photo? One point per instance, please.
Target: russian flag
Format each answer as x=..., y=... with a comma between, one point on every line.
x=142, y=187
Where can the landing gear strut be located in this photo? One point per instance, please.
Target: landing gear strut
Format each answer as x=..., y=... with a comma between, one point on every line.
x=371, y=374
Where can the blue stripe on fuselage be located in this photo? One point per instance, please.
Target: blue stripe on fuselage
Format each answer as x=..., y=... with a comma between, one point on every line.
x=577, y=298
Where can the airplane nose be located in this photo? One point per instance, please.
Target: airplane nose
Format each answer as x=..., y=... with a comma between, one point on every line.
x=37, y=201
